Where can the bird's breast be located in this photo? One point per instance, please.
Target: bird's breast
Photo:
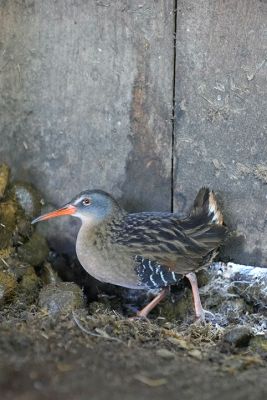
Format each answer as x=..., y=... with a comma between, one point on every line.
x=105, y=261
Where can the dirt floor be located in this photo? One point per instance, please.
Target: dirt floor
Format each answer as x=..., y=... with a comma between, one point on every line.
x=59, y=341
x=45, y=357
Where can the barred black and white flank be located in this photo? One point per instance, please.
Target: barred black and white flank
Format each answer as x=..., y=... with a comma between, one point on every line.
x=154, y=275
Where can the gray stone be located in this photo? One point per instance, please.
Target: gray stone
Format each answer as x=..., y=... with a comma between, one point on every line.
x=164, y=353
x=220, y=126
x=62, y=297
x=238, y=336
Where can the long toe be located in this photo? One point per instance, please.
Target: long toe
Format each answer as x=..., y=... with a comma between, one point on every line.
x=139, y=317
x=205, y=316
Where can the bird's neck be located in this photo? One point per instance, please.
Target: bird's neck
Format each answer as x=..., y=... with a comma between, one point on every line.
x=100, y=231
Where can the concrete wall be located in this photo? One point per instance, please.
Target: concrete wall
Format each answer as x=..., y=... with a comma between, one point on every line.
x=86, y=95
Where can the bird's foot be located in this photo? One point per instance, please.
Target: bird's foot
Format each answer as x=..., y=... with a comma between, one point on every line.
x=204, y=316
x=139, y=317
x=142, y=314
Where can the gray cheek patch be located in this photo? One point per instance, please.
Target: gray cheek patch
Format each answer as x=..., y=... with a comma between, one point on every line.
x=153, y=275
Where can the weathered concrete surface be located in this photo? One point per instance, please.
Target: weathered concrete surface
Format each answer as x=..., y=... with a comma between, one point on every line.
x=86, y=97
x=221, y=103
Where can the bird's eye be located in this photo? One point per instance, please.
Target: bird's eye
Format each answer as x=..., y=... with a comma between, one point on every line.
x=86, y=202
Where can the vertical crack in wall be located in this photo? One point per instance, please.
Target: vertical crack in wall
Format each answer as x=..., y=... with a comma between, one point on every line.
x=173, y=103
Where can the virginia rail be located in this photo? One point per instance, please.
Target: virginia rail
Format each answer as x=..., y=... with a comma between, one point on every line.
x=146, y=250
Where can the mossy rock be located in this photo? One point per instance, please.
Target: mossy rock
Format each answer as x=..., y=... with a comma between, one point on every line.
x=8, y=284
x=259, y=344
x=8, y=212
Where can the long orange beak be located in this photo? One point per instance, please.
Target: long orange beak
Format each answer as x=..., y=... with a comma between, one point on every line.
x=66, y=210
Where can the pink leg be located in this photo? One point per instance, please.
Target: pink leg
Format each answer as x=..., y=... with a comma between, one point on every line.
x=200, y=313
x=146, y=310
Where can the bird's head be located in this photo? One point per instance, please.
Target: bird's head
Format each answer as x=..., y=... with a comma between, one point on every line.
x=91, y=206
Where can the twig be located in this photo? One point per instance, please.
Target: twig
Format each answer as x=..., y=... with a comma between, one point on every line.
x=6, y=264
x=103, y=334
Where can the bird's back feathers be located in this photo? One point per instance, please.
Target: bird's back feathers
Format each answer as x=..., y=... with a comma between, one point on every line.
x=179, y=245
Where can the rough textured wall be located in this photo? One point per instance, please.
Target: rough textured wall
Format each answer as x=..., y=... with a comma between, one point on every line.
x=220, y=132
x=86, y=97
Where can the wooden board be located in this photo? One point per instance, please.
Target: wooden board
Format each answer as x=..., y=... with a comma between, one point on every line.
x=86, y=91
x=220, y=127
x=86, y=97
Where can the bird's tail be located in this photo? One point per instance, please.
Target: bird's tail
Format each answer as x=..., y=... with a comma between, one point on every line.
x=206, y=206
x=205, y=223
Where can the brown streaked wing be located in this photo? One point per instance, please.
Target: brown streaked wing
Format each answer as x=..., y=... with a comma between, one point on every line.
x=161, y=237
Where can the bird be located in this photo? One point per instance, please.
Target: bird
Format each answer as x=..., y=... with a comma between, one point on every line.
x=145, y=250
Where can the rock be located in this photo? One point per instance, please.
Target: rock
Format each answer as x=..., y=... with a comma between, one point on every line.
x=4, y=177
x=238, y=337
x=195, y=353
x=180, y=342
x=27, y=197
x=8, y=285
x=164, y=353
x=61, y=298
x=34, y=251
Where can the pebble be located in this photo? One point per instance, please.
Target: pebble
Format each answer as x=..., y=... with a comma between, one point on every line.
x=181, y=343
x=195, y=353
x=164, y=353
x=238, y=337
x=62, y=297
